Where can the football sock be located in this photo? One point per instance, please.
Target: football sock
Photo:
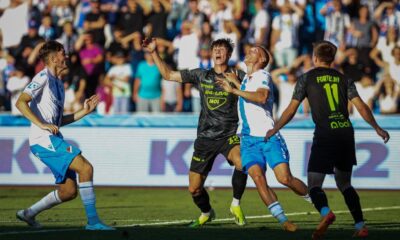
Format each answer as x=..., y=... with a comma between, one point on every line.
x=49, y=201
x=235, y=202
x=353, y=204
x=89, y=202
x=359, y=225
x=202, y=201
x=320, y=201
x=239, y=181
x=277, y=211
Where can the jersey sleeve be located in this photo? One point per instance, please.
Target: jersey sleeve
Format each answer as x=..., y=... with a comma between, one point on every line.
x=263, y=80
x=35, y=88
x=191, y=76
x=299, y=92
x=351, y=89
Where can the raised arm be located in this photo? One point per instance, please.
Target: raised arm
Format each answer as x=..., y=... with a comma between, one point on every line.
x=149, y=45
x=88, y=106
x=366, y=114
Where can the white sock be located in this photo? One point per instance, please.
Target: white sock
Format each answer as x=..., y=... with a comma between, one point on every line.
x=307, y=198
x=50, y=200
x=207, y=214
x=235, y=202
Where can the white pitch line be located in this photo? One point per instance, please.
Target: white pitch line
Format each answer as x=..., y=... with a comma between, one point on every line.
x=187, y=221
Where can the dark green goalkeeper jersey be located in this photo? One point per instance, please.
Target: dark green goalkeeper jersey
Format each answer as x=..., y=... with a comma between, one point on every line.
x=218, y=116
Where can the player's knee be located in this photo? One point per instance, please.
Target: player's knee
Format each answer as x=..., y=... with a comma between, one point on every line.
x=258, y=179
x=285, y=180
x=194, y=191
x=342, y=186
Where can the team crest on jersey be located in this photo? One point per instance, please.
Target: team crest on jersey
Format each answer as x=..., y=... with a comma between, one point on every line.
x=69, y=149
x=33, y=86
x=215, y=102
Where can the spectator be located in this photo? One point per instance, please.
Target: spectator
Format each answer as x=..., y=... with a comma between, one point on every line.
x=147, y=86
x=12, y=28
x=284, y=39
x=351, y=65
x=232, y=32
x=171, y=96
x=92, y=60
x=46, y=29
x=337, y=23
x=387, y=16
x=385, y=48
x=68, y=37
x=388, y=93
x=95, y=22
x=363, y=35
x=118, y=77
x=187, y=45
x=15, y=85
x=392, y=67
x=131, y=18
x=258, y=31
x=158, y=18
x=26, y=47
x=75, y=81
x=61, y=13
x=194, y=15
x=366, y=91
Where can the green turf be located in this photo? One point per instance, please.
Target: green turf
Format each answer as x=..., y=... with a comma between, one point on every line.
x=127, y=208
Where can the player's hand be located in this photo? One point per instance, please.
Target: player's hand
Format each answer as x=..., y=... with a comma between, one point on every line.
x=224, y=84
x=384, y=134
x=90, y=103
x=50, y=127
x=149, y=44
x=231, y=77
x=269, y=134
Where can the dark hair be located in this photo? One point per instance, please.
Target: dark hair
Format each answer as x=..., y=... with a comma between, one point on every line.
x=226, y=42
x=267, y=56
x=325, y=51
x=48, y=48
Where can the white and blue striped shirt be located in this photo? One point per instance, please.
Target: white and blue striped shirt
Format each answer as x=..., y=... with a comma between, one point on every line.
x=255, y=119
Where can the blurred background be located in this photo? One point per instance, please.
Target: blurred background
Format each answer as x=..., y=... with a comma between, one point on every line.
x=143, y=129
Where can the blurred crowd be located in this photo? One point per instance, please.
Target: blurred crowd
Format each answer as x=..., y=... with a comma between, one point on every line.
x=103, y=41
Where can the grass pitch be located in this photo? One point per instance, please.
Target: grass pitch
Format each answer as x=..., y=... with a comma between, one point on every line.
x=154, y=213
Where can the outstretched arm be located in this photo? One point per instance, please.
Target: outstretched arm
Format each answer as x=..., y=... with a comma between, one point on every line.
x=150, y=45
x=88, y=106
x=366, y=114
x=287, y=115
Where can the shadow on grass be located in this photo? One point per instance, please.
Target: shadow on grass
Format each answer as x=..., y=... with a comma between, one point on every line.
x=182, y=232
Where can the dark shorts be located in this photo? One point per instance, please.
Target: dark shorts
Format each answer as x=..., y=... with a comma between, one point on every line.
x=328, y=153
x=206, y=150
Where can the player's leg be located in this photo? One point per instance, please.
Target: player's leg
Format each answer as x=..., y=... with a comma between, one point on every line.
x=343, y=182
x=203, y=158
x=65, y=192
x=239, y=181
x=320, y=201
x=269, y=197
x=86, y=190
x=200, y=198
x=285, y=177
x=57, y=155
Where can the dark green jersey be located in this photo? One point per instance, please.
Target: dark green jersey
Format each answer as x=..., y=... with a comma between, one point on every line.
x=328, y=92
x=218, y=116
